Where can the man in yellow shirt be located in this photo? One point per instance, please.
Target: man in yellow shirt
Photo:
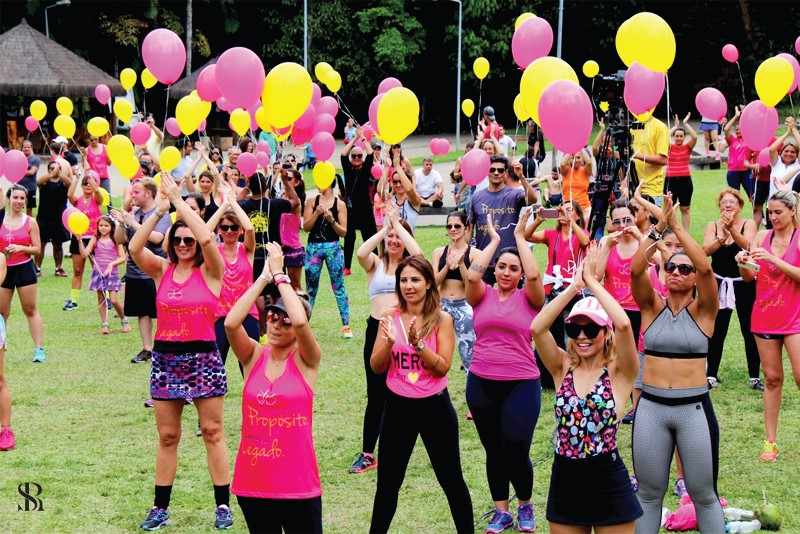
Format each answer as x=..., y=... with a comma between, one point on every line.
x=650, y=149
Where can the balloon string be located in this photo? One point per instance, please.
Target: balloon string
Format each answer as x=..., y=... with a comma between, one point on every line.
x=669, y=127
x=741, y=80
x=345, y=109
x=144, y=103
x=166, y=111
x=480, y=96
x=791, y=103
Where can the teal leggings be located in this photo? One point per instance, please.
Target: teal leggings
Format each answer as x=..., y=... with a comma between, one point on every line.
x=331, y=254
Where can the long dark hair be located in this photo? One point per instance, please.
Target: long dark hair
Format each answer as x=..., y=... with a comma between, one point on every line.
x=173, y=256
x=109, y=220
x=430, y=310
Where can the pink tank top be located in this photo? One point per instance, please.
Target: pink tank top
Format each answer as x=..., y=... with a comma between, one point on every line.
x=92, y=210
x=98, y=162
x=617, y=280
x=236, y=280
x=185, y=311
x=777, y=306
x=276, y=458
x=20, y=236
x=408, y=377
x=290, y=230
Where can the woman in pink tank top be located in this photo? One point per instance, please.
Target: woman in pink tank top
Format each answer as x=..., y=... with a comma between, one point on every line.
x=88, y=201
x=776, y=313
x=276, y=478
x=415, y=349
x=186, y=364
x=294, y=254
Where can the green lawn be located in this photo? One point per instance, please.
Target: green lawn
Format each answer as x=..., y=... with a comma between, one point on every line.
x=85, y=437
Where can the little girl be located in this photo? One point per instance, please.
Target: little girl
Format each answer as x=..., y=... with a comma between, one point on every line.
x=108, y=256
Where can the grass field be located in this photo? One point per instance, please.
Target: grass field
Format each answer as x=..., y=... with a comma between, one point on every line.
x=84, y=436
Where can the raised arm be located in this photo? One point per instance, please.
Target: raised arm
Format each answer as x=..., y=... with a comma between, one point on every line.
x=365, y=255
x=244, y=347
x=641, y=285
x=601, y=136
x=475, y=287
x=730, y=123
x=152, y=265
x=692, y=133
x=408, y=185
x=534, y=290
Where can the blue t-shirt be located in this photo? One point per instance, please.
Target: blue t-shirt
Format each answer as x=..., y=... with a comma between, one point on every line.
x=505, y=206
x=29, y=182
x=131, y=269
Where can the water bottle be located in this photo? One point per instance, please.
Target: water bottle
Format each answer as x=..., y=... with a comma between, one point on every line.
x=743, y=526
x=665, y=513
x=737, y=514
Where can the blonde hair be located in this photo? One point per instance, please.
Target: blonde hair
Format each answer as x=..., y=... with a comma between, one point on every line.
x=732, y=192
x=609, y=349
x=790, y=199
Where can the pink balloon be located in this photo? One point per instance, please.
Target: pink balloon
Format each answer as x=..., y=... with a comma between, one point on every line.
x=475, y=166
x=102, y=93
x=324, y=123
x=377, y=171
x=797, y=45
x=434, y=146
x=373, y=113
x=140, y=133
x=360, y=144
x=15, y=166
x=764, y=159
x=263, y=146
x=31, y=124
x=329, y=105
x=711, y=103
x=207, y=88
x=262, y=158
x=565, y=112
x=368, y=131
x=224, y=105
x=240, y=76
x=247, y=163
x=2, y=159
x=730, y=53
x=164, y=55
x=301, y=136
x=532, y=40
x=759, y=124
x=643, y=88
x=202, y=127
x=444, y=147
x=323, y=144
x=66, y=214
x=172, y=127
x=306, y=120
x=388, y=83
x=795, y=67
x=316, y=94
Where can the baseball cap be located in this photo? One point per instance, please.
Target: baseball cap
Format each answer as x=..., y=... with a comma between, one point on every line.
x=61, y=139
x=279, y=305
x=375, y=144
x=590, y=308
x=489, y=112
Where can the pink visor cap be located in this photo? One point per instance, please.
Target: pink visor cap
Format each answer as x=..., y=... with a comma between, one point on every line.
x=591, y=309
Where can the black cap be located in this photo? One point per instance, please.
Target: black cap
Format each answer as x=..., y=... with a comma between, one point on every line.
x=489, y=112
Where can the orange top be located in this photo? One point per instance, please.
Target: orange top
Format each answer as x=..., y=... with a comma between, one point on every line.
x=576, y=187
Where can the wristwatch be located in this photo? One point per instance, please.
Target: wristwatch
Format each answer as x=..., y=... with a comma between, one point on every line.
x=420, y=346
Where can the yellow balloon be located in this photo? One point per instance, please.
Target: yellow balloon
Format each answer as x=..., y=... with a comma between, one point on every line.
x=64, y=125
x=38, y=109
x=148, y=80
x=333, y=81
x=120, y=150
x=604, y=106
x=398, y=114
x=642, y=117
x=262, y=120
x=522, y=18
x=240, y=120
x=127, y=78
x=173, y=216
x=282, y=136
x=170, y=158
x=123, y=110
x=537, y=76
x=481, y=67
x=78, y=223
x=647, y=39
x=190, y=113
x=64, y=106
x=591, y=69
x=323, y=174
x=468, y=107
x=129, y=167
x=104, y=194
x=321, y=69
x=97, y=126
x=519, y=109
x=287, y=94
x=774, y=77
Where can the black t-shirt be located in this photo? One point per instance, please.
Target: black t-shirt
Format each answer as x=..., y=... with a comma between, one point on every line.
x=357, y=182
x=265, y=214
x=71, y=159
x=52, y=201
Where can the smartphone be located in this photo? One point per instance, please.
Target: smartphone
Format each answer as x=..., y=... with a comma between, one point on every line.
x=749, y=265
x=287, y=165
x=549, y=214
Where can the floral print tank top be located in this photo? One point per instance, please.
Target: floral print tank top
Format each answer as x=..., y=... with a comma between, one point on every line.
x=586, y=427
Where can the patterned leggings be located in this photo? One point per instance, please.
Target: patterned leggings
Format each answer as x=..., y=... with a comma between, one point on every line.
x=461, y=312
x=331, y=254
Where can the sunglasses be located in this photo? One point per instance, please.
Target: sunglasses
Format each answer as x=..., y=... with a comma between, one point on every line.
x=590, y=330
x=497, y=170
x=215, y=153
x=356, y=156
x=620, y=222
x=395, y=182
x=229, y=227
x=684, y=268
x=452, y=226
x=84, y=184
x=188, y=241
x=277, y=319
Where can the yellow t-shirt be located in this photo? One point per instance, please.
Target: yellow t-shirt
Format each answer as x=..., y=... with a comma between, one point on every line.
x=653, y=139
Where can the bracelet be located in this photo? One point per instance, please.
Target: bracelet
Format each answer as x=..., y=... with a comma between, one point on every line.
x=159, y=215
x=267, y=280
x=655, y=236
x=280, y=279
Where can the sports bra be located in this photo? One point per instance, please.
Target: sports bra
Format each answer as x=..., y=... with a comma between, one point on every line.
x=453, y=274
x=382, y=283
x=675, y=336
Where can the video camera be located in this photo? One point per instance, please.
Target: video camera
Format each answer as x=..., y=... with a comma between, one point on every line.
x=610, y=89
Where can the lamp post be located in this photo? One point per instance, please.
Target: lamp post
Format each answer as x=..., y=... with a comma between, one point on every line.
x=305, y=34
x=458, y=79
x=46, y=22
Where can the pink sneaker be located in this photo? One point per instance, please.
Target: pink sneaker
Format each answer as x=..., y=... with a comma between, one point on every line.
x=7, y=442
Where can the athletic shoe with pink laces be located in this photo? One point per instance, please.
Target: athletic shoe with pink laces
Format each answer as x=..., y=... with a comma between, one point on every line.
x=7, y=442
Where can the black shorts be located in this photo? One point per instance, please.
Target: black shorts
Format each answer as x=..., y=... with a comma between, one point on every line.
x=20, y=275
x=73, y=244
x=31, y=199
x=140, y=297
x=681, y=188
x=52, y=232
x=762, y=193
x=770, y=336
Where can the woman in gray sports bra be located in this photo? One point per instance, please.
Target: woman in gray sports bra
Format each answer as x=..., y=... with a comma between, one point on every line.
x=675, y=407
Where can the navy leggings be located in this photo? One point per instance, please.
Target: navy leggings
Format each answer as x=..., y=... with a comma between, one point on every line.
x=250, y=326
x=505, y=414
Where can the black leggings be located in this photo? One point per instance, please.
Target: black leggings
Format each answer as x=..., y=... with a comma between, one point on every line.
x=505, y=414
x=434, y=419
x=745, y=293
x=292, y=515
x=376, y=391
x=250, y=326
x=365, y=223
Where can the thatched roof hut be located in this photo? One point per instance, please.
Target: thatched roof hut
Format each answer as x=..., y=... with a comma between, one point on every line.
x=35, y=66
x=189, y=83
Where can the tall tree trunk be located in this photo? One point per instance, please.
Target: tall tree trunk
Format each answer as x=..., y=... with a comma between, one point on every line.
x=188, y=37
x=746, y=23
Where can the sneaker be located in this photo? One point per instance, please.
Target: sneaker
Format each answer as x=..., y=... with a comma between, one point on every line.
x=70, y=305
x=708, y=153
x=38, y=272
x=347, y=271
x=148, y=403
x=198, y=432
x=757, y=384
x=469, y=415
x=126, y=327
x=634, y=483
x=500, y=521
x=156, y=519
x=364, y=462
x=347, y=332
x=7, y=442
x=712, y=382
x=104, y=329
x=39, y=355
x=60, y=272
x=718, y=156
x=680, y=487
x=769, y=453
x=224, y=518
x=526, y=522
x=142, y=357
x=629, y=417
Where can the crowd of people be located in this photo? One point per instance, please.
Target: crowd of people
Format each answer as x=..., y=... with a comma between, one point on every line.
x=628, y=306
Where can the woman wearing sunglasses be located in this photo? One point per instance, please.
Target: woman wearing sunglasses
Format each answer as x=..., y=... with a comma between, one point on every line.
x=675, y=407
x=276, y=478
x=215, y=155
x=596, y=375
x=98, y=161
x=186, y=362
x=88, y=202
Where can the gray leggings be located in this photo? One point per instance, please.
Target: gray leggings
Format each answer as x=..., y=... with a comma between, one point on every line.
x=461, y=312
x=666, y=418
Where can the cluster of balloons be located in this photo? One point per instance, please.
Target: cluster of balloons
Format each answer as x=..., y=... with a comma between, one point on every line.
x=75, y=220
x=121, y=153
x=439, y=146
x=328, y=76
x=394, y=112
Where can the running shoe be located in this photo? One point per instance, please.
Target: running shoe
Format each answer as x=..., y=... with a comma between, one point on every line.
x=7, y=441
x=148, y=403
x=770, y=452
x=156, y=519
x=70, y=306
x=347, y=271
x=680, y=487
x=526, y=522
x=500, y=521
x=634, y=483
x=347, y=332
x=38, y=272
x=126, y=327
x=757, y=384
x=469, y=415
x=104, y=329
x=364, y=462
x=142, y=357
x=224, y=518
x=713, y=382
x=629, y=417
x=39, y=356
x=198, y=432
x=60, y=272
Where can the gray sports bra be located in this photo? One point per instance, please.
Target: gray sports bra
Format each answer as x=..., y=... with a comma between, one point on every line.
x=675, y=336
x=381, y=283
